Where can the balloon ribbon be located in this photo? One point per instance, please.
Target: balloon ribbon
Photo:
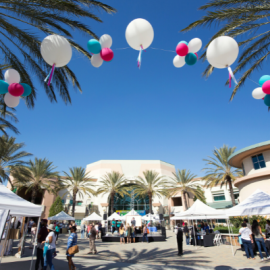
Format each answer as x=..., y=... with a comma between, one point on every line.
x=231, y=76
x=50, y=75
x=140, y=57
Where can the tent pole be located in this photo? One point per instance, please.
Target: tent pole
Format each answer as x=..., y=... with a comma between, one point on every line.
x=195, y=242
x=35, y=241
x=230, y=235
x=4, y=246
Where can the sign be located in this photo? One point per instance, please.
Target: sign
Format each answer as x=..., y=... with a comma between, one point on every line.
x=124, y=212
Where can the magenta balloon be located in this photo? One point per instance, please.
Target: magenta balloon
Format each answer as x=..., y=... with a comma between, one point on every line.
x=15, y=89
x=182, y=49
x=106, y=54
x=266, y=87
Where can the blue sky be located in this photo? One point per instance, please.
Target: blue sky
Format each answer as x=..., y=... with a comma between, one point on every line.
x=157, y=112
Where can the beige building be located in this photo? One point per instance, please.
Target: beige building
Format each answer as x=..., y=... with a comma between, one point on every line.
x=255, y=163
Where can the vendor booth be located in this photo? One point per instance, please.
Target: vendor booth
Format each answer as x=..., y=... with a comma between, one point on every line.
x=62, y=216
x=93, y=217
x=17, y=207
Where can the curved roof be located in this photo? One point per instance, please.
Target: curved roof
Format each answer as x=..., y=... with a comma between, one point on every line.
x=237, y=157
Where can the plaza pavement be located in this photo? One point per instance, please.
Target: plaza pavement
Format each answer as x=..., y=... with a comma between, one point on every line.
x=140, y=256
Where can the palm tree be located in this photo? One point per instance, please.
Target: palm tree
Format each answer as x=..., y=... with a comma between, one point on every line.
x=220, y=172
x=243, y=19
x=23, y=25
x=11, y=159
x=42, y=176
x=152, y=185
x=5, y=115
x=113, y=183
x=80, y=183
x=184, y=182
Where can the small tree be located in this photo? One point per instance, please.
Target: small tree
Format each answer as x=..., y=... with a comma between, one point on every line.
x=56, y=207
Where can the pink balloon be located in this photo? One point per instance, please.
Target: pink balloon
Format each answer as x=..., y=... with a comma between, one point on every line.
x=197, y=55
x=182, y=49
x=15, y=89
x=266, y=87
x=106, y=54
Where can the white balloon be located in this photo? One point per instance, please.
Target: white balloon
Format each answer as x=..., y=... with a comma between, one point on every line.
x=56, y=50
x=179, y=61
x=139, y=33
x=194, y=45
x=258, y=93
x=222, y=52
x=96, y=60
x=105, y=41
x=11, y=101
x=12, y=76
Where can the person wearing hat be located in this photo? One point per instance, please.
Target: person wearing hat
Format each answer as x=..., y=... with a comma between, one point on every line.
x=50, y=241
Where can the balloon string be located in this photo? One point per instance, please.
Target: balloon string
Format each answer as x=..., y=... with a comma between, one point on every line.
x=232, y=75
x=230, y=80
x=140, y=57
x=51, y=75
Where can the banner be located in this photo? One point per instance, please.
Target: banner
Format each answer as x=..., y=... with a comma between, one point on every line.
x=124, y=212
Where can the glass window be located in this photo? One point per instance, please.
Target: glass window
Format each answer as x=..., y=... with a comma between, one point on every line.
x=220, y=197
x=63, y=201
x=243, y=168
x=79, y=203
x=258, y=162
x=71, y=202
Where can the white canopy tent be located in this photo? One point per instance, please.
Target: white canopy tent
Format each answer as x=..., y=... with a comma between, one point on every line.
x=93, y=217
x=61, y=216
x=150, y=217
x=17, y=205
x=256, y=204
x=115, y=216
x=132, y=213
x=199, y=210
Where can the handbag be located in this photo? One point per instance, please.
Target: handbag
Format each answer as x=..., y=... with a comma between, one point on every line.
x=73, y=250
x=147, y=231
x=187, y=234
x=46, y=247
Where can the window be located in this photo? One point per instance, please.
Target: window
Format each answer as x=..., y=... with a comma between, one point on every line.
x=243, y=168
x=258, y=162
x=63, y=201
x=218, y=196
x=177, y=201
x=79, y=203
x=71, y=202
x=221, y=220
x=78, y=222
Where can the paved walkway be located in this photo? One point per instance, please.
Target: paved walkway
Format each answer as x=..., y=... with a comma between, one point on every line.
x=159, y=255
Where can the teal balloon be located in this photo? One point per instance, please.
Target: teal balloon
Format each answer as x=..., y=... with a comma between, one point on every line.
x=27, y=89
x=263, y=79
x=183, y=42
x=3, y=87
x=191, y=59
x=94, y=46
x=267, y=100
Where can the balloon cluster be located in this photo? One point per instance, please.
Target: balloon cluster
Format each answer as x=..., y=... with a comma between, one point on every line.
x=13, y=89
x=187, y=53
x=263, y=92
x=57, y=52
x=221, y=53
x=101, y=50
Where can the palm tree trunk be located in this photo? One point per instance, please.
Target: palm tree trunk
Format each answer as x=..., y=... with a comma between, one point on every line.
x=74, y=203
x=184, y=200
x=150, y=202
x=34, y=195
x=112, y=203
x=231, y=191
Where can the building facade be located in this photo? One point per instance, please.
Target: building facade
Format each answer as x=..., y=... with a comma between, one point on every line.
x=255, y=163
x=217, y=197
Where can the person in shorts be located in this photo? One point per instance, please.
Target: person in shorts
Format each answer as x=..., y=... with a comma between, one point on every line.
x=122, y=234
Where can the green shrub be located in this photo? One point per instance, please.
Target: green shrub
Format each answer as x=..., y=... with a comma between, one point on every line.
x=237, y=221
x=56, y=207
